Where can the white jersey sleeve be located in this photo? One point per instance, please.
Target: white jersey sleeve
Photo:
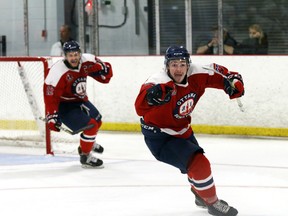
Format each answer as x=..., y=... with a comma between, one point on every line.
x=197, y=68
x=55, y=73
x=157, y=78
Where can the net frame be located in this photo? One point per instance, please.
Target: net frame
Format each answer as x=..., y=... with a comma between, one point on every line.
x=45, y=63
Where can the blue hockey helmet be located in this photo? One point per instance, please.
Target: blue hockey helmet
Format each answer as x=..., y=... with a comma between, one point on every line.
x=71, y=46
x=177, y=52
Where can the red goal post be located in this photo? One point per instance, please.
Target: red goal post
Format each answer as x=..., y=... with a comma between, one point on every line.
x=22, y=102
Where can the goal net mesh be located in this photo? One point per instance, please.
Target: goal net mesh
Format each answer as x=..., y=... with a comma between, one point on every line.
x=22, y=103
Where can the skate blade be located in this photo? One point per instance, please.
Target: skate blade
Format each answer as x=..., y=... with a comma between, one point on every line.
x=86, y=166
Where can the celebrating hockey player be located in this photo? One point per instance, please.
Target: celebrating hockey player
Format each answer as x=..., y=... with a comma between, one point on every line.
x=66, y=100
x=165, y=103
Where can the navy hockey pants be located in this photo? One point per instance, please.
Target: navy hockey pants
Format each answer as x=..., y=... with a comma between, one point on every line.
x=76, y=115
x=177, y=152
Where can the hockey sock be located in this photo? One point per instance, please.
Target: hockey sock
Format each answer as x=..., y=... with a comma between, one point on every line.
x=201, y=179
x=87, y=138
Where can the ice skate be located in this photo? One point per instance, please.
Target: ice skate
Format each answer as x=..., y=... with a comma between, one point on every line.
x=198, y=200
x=90, y=161
x=221, y=208
x=97, y=148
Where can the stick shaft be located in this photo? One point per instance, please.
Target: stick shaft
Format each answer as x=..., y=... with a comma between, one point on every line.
x=70, y=131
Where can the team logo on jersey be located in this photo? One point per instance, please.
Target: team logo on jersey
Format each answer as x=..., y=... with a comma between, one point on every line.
x=79, y=87
x=49, y=90
x=69, y=77
x=184, y=106
x=86, y=68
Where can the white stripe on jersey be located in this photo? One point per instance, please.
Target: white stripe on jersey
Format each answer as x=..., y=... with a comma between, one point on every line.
x=173, y=132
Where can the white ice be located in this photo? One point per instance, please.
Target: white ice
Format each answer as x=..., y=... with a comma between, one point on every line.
x=251, y=174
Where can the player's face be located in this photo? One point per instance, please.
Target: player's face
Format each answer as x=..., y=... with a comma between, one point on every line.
x=178, y=70
x=73, y=58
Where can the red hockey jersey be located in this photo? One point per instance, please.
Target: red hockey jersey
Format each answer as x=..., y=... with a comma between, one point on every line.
x=174, y=117
x=65, y=84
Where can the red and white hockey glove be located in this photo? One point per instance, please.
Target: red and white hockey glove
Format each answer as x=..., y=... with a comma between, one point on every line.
x=53, y=121
x=233, y=85
x=159, y=94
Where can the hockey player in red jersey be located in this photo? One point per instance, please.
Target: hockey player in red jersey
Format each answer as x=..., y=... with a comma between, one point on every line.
x=66, y=100
x=165, y=103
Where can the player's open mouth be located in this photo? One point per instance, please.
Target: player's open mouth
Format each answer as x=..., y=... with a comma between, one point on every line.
x=74, y=62
x=178, y=75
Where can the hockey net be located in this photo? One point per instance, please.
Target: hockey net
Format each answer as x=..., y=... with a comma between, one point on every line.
x=22, y=105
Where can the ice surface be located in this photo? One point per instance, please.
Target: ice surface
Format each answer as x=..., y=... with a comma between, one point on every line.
x=250, y=173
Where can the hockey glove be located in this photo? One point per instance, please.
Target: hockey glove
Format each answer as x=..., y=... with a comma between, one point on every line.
x=156, y=95
x=98, y=69
x=234, y=86
x=53, y=121
x=104, y=70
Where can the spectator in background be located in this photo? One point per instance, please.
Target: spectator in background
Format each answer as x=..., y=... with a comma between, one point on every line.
x=211, y=47
x=65, y=36
x=257, y=43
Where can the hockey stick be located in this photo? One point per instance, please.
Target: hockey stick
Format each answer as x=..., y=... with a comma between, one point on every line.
x=239, y=102
x=70, y=131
